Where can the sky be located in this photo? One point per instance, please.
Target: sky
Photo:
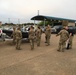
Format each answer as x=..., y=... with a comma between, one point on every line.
x=23, y=10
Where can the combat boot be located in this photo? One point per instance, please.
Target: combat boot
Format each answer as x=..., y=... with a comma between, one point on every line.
x=58, y=50
x=19, y=49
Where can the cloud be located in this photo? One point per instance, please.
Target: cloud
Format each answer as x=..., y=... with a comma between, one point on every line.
x=25, y=9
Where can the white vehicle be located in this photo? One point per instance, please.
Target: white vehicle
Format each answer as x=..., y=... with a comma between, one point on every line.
x=2, y=35
x=0, y=32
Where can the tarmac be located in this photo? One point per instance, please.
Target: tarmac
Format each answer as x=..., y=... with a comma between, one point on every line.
x=43, y=60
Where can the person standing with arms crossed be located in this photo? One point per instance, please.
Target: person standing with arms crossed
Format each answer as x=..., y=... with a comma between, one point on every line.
x=48, y=35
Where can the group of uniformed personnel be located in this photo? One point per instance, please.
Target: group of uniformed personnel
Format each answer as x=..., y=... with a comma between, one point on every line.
x=33, y=35
x=36, y=35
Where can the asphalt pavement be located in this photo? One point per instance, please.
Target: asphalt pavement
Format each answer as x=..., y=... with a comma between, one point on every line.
x=43, y=60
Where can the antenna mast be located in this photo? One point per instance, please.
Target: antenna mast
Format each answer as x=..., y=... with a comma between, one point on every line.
x=38, y=12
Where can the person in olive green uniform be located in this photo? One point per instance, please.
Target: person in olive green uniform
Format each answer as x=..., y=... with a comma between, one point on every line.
x=38, y=35
x=48, y=34
x=14, y=35
x=64, y=35
x=18, y=38
x=31, y=37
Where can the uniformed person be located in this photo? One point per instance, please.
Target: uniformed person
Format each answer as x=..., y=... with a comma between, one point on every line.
x=48, y=34
x=18, y=38
x=38, y=35
x=31, y=37
x=14, y=35
x=64, y=35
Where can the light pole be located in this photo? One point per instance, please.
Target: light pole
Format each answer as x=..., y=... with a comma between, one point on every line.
x=9, y=20
x=44, y=22
x=18, y=21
